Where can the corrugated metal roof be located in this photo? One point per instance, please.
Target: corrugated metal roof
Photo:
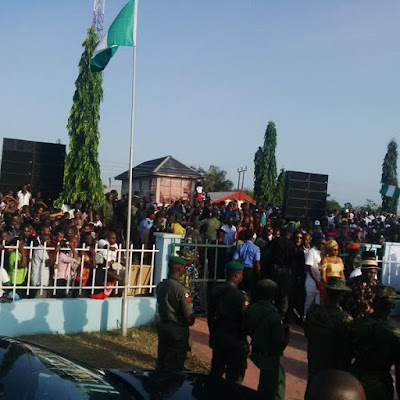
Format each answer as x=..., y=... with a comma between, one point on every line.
x=165, y=166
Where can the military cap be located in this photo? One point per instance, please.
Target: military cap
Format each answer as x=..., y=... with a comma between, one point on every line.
x=385, y=292
x=267, y=284
x=186, y=254
x=234, y=266
x=177, y=260
x=266, y=288
x=336, y=283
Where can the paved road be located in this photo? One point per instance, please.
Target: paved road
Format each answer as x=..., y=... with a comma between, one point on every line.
x=294, y=360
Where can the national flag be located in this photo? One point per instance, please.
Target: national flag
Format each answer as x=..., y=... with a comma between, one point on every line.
x=390, y=191
x=122, y=32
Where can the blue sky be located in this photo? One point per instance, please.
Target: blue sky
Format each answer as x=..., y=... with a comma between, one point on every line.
x=210, y=75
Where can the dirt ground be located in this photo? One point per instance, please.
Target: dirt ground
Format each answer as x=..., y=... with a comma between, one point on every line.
x=111, y=350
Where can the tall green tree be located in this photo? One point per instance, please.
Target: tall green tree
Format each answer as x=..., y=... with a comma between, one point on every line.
x=269, y=171
x=389, y=176
x=280, y=187
x=82, y=180
x=215, y=180
x=258, y=172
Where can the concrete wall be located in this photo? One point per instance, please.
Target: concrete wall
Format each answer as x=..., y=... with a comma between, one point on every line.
x=40, y=316
x=36, y=316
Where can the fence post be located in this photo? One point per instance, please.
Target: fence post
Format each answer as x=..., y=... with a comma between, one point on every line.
x=164, y=243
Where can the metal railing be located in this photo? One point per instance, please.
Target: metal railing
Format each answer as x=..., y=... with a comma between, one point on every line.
x=140, y=273
x=202, y=250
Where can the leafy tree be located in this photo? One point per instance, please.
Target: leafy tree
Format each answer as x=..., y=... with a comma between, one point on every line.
x=389, y=176
x=269, y=172
x=258, y=172
x=370, y=206
x=82, y=180
x=348, y=205
x=280, y=187
x=332, y=204
x=215, y=180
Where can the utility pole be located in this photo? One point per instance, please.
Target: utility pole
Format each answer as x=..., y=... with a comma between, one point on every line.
x=244, y=171
x=241, y=171
x=98, y=17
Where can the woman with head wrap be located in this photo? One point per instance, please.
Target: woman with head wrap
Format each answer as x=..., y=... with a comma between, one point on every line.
x=331, y=264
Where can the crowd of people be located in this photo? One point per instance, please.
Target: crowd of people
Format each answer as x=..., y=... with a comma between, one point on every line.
x=276, y=271
x=51, y=252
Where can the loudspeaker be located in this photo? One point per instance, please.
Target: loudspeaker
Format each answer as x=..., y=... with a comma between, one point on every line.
x=37, y=164
x=305, y=195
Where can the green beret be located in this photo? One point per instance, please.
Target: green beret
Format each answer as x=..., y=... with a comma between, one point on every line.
x=234, y=266
x=177, y=260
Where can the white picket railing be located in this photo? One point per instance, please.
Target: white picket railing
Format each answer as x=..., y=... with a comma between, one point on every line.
x=135, y=283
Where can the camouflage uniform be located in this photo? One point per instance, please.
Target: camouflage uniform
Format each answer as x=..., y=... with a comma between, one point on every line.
x=375, y=347
x=360, y=301
x=190, y=275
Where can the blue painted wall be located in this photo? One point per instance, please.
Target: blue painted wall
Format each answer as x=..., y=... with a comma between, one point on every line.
x=34, y=316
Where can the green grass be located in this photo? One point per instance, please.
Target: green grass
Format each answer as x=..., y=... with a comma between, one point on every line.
x=110, y=350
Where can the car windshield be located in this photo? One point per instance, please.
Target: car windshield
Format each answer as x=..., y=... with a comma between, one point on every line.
x=30, y=372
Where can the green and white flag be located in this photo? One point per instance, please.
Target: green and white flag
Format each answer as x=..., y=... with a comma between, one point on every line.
x=390, y=191
x=122, y=32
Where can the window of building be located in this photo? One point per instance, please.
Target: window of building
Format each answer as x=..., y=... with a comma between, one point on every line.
x=172, y=189
x=153, y=185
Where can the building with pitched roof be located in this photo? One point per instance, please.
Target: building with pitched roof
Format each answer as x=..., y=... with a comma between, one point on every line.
x=166, y=179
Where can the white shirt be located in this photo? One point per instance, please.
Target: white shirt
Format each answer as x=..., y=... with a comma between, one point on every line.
x=229, y=233
x=23, y=199
x=331, y=219
x=40, y=270
x=313, y=258
x=4, y=279
x=356, y=272
x=108, y=254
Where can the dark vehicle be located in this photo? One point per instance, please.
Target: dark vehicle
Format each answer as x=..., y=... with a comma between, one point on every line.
x=31, y=372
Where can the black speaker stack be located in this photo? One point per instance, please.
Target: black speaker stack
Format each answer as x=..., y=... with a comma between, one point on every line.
x=37, y=164
x=305, y=195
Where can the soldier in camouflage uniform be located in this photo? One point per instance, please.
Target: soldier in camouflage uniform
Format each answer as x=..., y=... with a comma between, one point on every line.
x=325, y=330
x=360, y=300
x=226, y=309
x=191, y=274
x=375, y=347
x=176, y=315
x=269, y=338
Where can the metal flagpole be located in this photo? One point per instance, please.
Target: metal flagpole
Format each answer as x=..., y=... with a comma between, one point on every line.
x=124, y=310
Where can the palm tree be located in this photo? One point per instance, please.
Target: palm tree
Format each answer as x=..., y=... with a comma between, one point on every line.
x=215, y=180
